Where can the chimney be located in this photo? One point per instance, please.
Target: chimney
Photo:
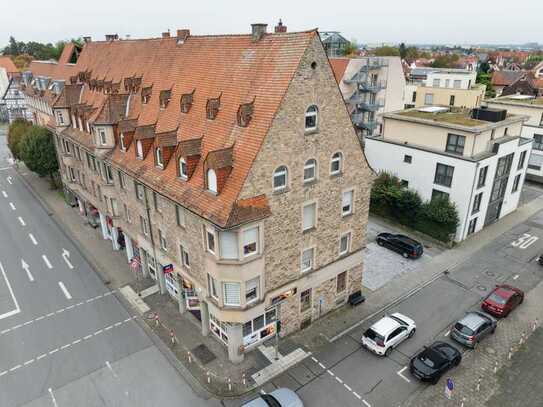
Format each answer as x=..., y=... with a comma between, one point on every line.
x=182, y=35
x=166, y=34
x=258, y=31
x=87, y=39
x=112, y=37
x=280, y=28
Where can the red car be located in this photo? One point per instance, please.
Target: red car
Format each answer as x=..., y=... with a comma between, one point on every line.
x=502, y=300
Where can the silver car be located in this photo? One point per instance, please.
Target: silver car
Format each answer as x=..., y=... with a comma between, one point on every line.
x=278, y=398
x=471, y=329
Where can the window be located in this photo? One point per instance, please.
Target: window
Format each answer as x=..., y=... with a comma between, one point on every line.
x=407, y=159
x=158, y=157
x=251, y=290
x=72, y=174
x=344, y=243
x=228, y=242
x=437, y=194
x=109, y=174
x=347, y=203
x=210, y=240
x=114, y=208
x=232, y=295
x=140, y=191
x=436, y=83
x=482, y=177
x=60, y=118
x=139, y=150
x=455, y=144
x=541, y=121
x=447, y=83
x=310, y=170
x=451, y=100
x=212, y=283
x=157, y=203
x=305, y=300
x=429, y=99
x=472, y=225
x=144, y=226
x=212, y=181
x=538, y=142
x=307, y=259
x=121, y=141
x=183, y=168
x=103, y=138
x=414, y=98
x=280, y=178
x=162, y=240
x=185, y=261
x=516, y=183
x=341, y=282
x=127, y=214
x=335, y=164
x=521, y=160
x=309, y=216
x=250, y=241
x=311, y=116
x=477, y=203
x=122, y=182
x=180, y=216
x=457, y=84
x=444, y=175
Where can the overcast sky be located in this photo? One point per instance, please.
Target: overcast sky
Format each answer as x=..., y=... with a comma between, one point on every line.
x=411, y=21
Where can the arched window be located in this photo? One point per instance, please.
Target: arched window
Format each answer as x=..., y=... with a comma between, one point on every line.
x=139, y=149
x=159, y=158
x=280, y=178
x=310, y=170
x=336, y=163
x=183, y=168
x=212, y=180
x=311, y=118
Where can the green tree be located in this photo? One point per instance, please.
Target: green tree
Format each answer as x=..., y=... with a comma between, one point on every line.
x=445, y=61
x=484, y=67
x=38, y=151
x=16, y=132
x=351, y=48
x=486, y=79
x=386, y=51
x=403, y=50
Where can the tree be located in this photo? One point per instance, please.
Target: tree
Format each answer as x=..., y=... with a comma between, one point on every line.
x=22, y=61
x=351, y=48
x=38, y=151
x=403, y=50
x=16, y=132
x=386, y=51
x=486, y=79
x=484, y=67
x=445, y=61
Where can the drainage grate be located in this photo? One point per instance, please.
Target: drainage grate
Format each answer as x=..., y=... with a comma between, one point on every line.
x=203, y=354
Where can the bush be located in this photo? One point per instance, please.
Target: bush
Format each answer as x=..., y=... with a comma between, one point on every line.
x=16, y=132
x=37, y=150
x=437, y=218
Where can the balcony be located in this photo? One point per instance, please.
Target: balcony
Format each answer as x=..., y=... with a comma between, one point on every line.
x=370, y=106
x=362, y=123
x=372, y=87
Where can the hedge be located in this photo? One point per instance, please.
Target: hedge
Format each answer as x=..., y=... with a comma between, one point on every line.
x=437, y=218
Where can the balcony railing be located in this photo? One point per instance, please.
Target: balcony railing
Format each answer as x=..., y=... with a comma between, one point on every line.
x=372, y=87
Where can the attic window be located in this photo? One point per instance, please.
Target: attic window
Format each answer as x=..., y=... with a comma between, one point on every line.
x=165, y=97
x=186, y=102
x=146, y=95
x=212, y=108
x=245, y=114
x=127, y=84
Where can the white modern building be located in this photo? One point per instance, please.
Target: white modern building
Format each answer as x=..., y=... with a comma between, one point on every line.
x=532, y=107
x=371, y=86
x=477, y=158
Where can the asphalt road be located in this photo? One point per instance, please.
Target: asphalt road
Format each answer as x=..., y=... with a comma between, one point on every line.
x=65, y=339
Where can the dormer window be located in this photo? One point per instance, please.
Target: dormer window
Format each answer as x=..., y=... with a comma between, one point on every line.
x=311, y=118
x=245, y=114
x=139, y=150
x=186, y=102
x=102, y=137
x=60, y=118
x=211, y=181
x=165, y=97
x=122, y=142
x=212, y=108
x=183, y=173
x=146, y=95
x=159, y=158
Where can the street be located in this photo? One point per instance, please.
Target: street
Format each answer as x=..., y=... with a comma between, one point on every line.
x=65, y=339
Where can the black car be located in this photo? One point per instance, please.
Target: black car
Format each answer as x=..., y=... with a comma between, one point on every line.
x=430, y=364
x=407, y=247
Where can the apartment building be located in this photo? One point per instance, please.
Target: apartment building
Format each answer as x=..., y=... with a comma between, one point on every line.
x=443, y=86
x=12, y=103
x=226, y=168
x=532, y=107
x=371, y=86
x=477, y=158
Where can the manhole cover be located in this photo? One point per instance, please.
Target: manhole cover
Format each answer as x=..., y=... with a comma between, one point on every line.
x=203, y=353
x=481, y=288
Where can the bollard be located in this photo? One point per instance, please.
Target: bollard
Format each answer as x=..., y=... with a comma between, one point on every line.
x=229, y=385
x=479, y=383
x=522, y=337
x=463, y=400
x=534, y=326
x=190, y=357
x=156, y=319
x=172, y=336
x=243, y=379
x=510, y=355
x=208, y=377
x=495, y=367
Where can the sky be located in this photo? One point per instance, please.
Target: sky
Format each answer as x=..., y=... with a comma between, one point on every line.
x=382, y=21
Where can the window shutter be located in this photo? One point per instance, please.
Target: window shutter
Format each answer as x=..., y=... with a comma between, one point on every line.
x=250, y=236
x=232, y=294
x=347, y=199
x=251, y=284
x=229, y=245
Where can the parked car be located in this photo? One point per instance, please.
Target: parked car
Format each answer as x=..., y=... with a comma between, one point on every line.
x=433, y=361
x=407, y=247
x=282, y=397
x=387, y=333
x=473, y=328
x=503, y=300
x=540, y=260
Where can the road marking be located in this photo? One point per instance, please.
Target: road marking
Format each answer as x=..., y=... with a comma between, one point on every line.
x=21, y=221
x=27, y=269
x=53, y=397
x=17, y=309
x=8, y=179
x=28, y=362
x=14, y=368
x=76, y=341
x=366, y=403
x=515, y=276
x=5, y=194
x=53, y=351
x=358, y=396
x=31, y=236
x=87, y=337
x=321, y=365
x=3, y=373
x=525, y=241
x=399, y=373
x=330, y=373
x=347, y=387
x=64, y=290
x=12, y=206
x=110, y=368
x=448, y=332
x=46, y=260
x=339, y=380
x=65, y=346
x=65, y=256
x=41, y=356
x=314, y=360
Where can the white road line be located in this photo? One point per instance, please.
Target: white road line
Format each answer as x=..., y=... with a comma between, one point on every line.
x=8, y=179
x=5, y=194
x=110, y=368
x=321, y=365
x=314, y=360
x=330, y=373
x=76, y=341
x=21, y=221
x=41, y=356
x=46, y=261
x=14, y=368
x=65, y=256
x=27, y=269
x=12, y=206
x=17, y=326
x=515, y=276
x=339, y=380
x=53, y=397
x=448, y=332
x=28, y=362
x=64, y=290
x=65, y=346
x=98, y=332
x=31, y=236
x=347, y=387
x=3, y=373
x=87, y=337
x=17, y=309
x=399, y=373
x=50, y=314
x=366, y=403
x=358, y=396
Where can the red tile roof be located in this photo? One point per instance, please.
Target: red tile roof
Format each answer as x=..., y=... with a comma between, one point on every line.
x=232, y=68
x=8, y=65
x=339, y=65
x=506, y=78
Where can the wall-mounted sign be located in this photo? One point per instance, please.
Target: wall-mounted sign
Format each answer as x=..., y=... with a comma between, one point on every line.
x=283, y=296
x=168, y=268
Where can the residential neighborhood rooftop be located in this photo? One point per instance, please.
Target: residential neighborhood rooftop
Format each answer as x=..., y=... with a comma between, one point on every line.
x=520, y=99
x=462, y=118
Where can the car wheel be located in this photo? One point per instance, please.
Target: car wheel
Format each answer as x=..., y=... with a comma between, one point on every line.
x=493, y=330
x=388, y=351
x=380, y=243
x=456, y=361
x=405, y=255
x=412, y=333
x=435, y=380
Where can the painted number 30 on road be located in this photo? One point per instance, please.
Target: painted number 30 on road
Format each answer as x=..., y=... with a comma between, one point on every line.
x=525, y=241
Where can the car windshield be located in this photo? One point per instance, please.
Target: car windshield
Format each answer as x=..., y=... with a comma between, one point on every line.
x=270, y=400
x=494, y=297
x=400, y=321
x=374, y=336
x=463, y=329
